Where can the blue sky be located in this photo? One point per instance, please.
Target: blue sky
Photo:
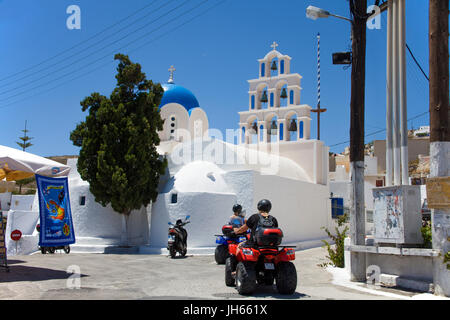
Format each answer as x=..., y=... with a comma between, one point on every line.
x=215, y=53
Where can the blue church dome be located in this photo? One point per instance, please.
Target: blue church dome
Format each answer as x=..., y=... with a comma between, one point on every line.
x=177, y=94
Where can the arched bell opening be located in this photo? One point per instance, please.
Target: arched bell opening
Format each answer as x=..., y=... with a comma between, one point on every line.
x=264, y=98
x=272, y=129
x=274, y=67
x=283, y=96
x=253, y=131
x=292, y=127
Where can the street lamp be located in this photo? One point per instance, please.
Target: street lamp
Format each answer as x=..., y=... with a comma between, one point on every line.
x=314, y=13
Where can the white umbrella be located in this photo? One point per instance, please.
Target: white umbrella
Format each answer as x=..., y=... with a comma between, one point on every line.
x=16, y=165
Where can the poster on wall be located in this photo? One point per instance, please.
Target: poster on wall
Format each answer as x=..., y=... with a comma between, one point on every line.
x=56, y=227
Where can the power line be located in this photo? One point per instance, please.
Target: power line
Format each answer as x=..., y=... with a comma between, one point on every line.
x=87, y=56
x=78, y=44
x=379, y=131
x=108, y=63
x=78, y=52
x=106, y=55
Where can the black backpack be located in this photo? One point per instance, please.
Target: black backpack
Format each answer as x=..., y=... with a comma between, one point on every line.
x=274, y=238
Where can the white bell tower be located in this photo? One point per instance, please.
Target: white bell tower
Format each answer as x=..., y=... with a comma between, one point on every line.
x=274, y=111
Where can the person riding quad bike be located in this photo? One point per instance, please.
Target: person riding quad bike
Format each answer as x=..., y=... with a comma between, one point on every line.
x=264, y=206
x=235, y=221
x=261, y=259
x=238, y=218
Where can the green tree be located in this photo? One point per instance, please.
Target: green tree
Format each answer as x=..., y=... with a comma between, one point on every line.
x=24, y=145
x=118, y=142
x=25, y=139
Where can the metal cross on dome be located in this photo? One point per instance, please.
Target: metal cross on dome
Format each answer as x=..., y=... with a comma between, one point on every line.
x=274, y=45
x=171, y=70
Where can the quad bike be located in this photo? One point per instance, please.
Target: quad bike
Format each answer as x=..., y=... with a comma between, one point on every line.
x=262, y=263
x=177, y=239
x=223, y=240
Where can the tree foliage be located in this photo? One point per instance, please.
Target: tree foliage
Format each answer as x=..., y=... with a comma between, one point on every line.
x=118, y=140
x=336, y=252
x=25, y=139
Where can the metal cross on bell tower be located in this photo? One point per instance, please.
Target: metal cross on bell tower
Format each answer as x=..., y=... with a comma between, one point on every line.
x=318, y=110
x=274, y=45
x=171, y=70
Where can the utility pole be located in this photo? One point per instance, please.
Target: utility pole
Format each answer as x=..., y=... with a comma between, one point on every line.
x=439, y=132
x=358, y=9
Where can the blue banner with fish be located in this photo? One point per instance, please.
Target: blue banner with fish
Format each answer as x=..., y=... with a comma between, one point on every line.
x=56, y=227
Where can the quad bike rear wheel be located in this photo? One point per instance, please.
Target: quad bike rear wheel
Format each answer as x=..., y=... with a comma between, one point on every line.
x=230, y=266
x=221, y=254
x=245, y=278
x=286, y=278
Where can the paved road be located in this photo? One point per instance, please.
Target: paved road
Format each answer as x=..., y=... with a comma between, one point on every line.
x=111, y=276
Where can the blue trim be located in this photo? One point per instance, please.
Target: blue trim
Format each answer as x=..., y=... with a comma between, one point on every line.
x=263, y=69
x=261, y=133
x=281, y=131
x=301, y=130
x=282, y=67
x=253, y=102
x=291, y=97
x=271, y=99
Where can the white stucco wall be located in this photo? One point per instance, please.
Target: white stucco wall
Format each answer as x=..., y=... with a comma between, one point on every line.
x=92, y=220
x=301, y=208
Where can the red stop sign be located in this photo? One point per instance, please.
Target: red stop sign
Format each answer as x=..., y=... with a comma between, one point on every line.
x=16, y=235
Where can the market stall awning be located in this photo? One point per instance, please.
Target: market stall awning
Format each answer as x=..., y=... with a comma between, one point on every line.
x=16, y=165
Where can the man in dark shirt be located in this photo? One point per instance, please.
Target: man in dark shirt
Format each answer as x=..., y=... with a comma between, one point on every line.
x=264, y=207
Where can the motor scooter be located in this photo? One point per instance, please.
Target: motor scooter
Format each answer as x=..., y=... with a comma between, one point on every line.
x=177, y=239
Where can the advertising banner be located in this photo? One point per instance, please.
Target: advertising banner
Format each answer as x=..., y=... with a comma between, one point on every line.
x=56, y=227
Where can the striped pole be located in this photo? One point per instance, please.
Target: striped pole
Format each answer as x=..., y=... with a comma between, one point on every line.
x=318, y=70
x=318, y=110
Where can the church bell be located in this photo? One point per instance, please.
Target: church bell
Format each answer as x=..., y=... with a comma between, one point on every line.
x=254, y=128
x=283, y=94
x=273, y=127
x=264, y=97
x=293, y=125
x=274, y=66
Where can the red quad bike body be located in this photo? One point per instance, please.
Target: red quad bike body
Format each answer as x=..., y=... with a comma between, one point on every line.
x=263, y=263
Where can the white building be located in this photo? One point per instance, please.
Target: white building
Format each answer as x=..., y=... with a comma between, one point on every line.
x=207, y=174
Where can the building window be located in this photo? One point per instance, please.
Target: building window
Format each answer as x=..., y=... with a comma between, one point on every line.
x=263, y=69
x=379, y=183
x=291, y=97
x=281, y=131
x=282, y=67
x=253, y=102
x=301, y=130
x=174, y=198
x=271, y=99
x=82, y=200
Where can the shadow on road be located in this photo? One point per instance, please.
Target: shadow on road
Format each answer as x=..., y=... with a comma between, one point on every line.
x=25, y=273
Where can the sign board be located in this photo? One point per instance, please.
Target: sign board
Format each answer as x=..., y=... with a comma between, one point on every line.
x=3, y=258
x=337, y=207
x=56, y=227
x=438, y=192
x=397, y=216
x=16, y=235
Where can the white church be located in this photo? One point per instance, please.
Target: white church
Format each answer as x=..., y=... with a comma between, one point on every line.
x=270, y=155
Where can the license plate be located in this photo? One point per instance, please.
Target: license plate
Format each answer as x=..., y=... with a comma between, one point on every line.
x=269, y=266
x=171, y=238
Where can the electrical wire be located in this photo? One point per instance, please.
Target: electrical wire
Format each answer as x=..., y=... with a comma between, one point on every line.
x=110, y=62
x=78, y=44
x=104, y=56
